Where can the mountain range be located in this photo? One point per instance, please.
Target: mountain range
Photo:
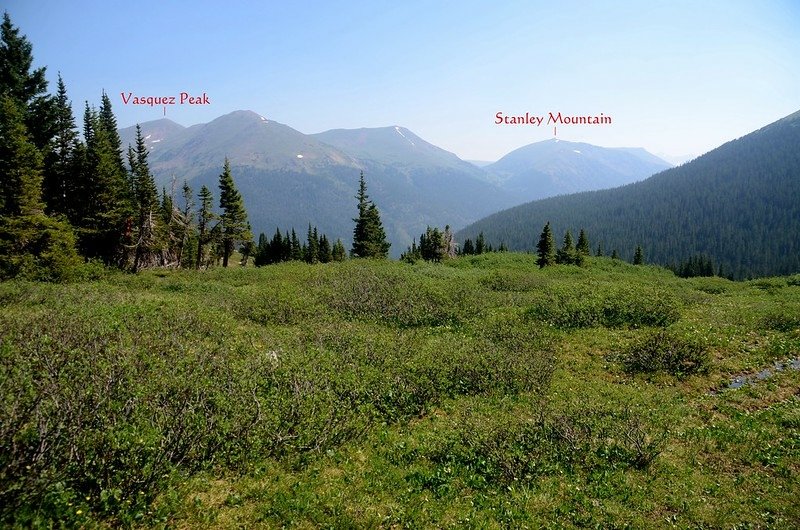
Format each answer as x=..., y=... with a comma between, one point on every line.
x=738, y=205
x=290, y=179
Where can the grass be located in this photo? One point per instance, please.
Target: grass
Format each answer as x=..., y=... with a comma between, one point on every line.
x=482, y=392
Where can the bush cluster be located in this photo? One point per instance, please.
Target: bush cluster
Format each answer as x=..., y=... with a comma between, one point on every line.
x=665, y=351
x=504, y=449
x=102, y=407
x=608, y=306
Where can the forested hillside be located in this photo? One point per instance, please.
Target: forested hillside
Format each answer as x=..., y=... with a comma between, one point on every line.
x=738, y=205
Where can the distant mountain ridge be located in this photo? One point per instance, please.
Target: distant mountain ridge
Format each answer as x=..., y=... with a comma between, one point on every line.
x=738, y=204
x=290, y=179
x=555, y=167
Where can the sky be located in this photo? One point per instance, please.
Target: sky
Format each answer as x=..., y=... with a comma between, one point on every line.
x=678, y=78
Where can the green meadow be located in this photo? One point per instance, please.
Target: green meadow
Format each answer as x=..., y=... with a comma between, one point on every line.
x=482, y=392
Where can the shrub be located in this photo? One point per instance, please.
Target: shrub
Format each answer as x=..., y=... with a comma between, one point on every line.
x=663, y=351
x=608, y=306
x=787, y=319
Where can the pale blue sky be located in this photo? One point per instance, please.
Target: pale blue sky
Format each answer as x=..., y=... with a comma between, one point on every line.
x=677, y=77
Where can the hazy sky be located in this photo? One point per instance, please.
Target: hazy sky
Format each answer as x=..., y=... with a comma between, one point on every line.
x=678, y=78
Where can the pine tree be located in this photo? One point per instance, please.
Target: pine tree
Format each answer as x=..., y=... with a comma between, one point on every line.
x=599, y=251
x=286, y=248
x=103, y=212
x=312, y=246
x=108, y=122
x=26, y=87
x=58, y=188
x=546, y=248
x=296, y=253
x=582, y=247
x=638, y=256
x=614, y=254
x=205, y=216
x=566, y=254
x=480, y=244
x=32, y=245
x=185, y=222
x=369, y=237
x=468, y=248
x=325, y=250
x=234, y=226
x=146, y=197
x=338, y=253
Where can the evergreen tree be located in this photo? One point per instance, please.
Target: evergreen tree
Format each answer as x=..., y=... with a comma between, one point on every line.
x=431, y=245
x=205, y=216
x=108, y=122
x=234, y=226
x=338, y=253
x=638, y=256
x=582, y=247
x=146, y=197
x=614, y=254
x=599, y=251
x=185, y=222
x=468, y=248
x=263, y=247
x=546, y=248
x=32, y=245
x=566, y=254
x=61, y=167
x=325, y=250
x=103, y=215
x=312, y=246
x=412, y=253
x=480, y=244
x=296, y=253
x=26, y=87
x=369, y=237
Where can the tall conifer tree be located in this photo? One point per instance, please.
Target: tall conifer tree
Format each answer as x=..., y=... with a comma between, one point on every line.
x=146, y=197
x=27, y=87
x=61, y=163
x=546, y=247
x=234, y=226
x=369, y=237
x=32, y=245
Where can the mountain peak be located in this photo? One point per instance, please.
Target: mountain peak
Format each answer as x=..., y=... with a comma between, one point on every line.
x=555, y=166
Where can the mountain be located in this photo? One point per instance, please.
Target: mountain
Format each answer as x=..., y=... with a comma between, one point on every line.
x=555, y=167
x=738, y=204
x=289, y=179
x=154, y=132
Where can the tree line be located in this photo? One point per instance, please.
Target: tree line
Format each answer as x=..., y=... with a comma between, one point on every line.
x=67, y=199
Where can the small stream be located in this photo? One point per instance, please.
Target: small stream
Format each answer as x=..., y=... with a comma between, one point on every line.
x=778, y=366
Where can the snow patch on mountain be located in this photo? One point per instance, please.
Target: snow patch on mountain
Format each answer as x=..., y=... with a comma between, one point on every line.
x=403, y=135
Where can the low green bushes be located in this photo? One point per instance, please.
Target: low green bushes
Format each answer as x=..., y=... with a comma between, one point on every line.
x=666, y=351
x=612, y=306
x=103, y=404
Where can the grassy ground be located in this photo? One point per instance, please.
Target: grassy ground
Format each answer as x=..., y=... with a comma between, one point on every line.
x=482, y=393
